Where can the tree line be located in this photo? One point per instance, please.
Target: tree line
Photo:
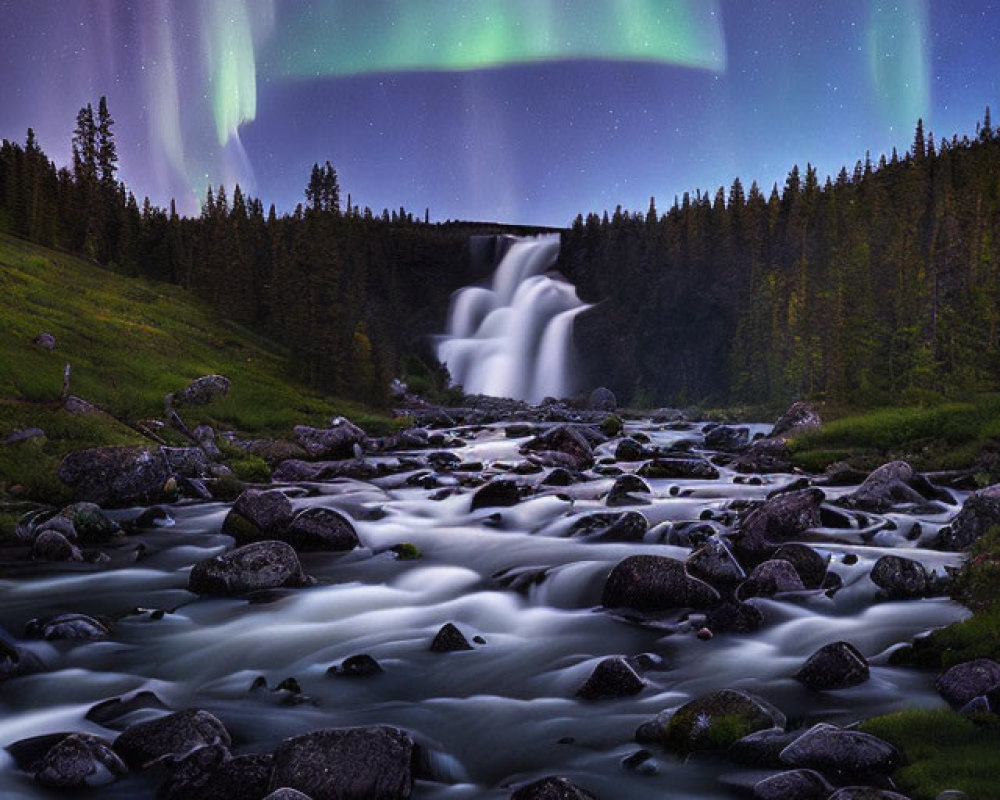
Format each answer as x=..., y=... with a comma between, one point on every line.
x=881, y=285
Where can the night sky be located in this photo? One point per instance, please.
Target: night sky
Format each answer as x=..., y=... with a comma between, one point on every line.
x=524, y=111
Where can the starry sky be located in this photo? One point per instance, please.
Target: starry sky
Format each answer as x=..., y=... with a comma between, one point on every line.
x=524, y=111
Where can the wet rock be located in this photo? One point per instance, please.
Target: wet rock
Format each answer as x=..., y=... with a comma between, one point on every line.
x=567, y=440
x=449, y=640
x=519, y=430
x=558, y=477
x=629, y=526
x=655, y=583
x=108, y=711
x=298, y=471
x=965, y=681
x=630, y=450
x=15, y=661
x=203, y=390
x=45, y=340
x=678, y=469
x=321, y=529
x=838, y=665
x=809, y=564
x=764, y=456
x=716, y=720
x=66, y=626
x=980, y=512
x=500, y=492
x=258, y=515
x=116, y=476
x=887, y=486
x=762, y=748
x=211, y=773
x=770, y=578
x=551, y=788
x=359, y=666
x=602, y=399
x=89, y=523
x=173, y=735
x=901, y=578
x=612, y=677
x=261, y=565
x=346, y=764
x=79, y=761
x=623, y=491
x=726, y=438
x=777, y=520
x=337, y=441
x=798, y=784
x=53, y=546
x=842, y=755
x=865, y=793
x=715, y=564
x=799, y=418
x=734, y=618
x=287, y=794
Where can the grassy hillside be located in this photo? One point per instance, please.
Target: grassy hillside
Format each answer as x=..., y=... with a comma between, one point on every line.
x=130, y=342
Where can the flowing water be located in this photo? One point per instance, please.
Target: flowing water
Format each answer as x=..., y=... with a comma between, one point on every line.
x=492, y=717
x=514, y=338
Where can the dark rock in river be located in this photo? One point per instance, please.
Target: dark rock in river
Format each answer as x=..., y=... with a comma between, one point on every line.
x=359, y=666
x=568, y=440
x=321, y=529
x=337, y=441
x=559, y=476
x=203, y=390
x=715, y=564
x=716, y=720
x=734, y=618
x=66, y=626
x=901, y=578
x=655, y=583
x=842, y=755
x=172, y=735
x=968, y=680
x=108, y=712
x=79, y=761
x=628, y=526
x=370, y=763
x=769, y=578
x=678, y=469
x=624, y=488
x=83, y=522
x=116, y=476
x=450, y=640
x=551, y=788
x=764, y=456
x=211, y=773
x=612, y=677
x=726, y=438
x=258, y=515
x=631, y=450
x=53, y=546
x=762, y=748
x=980, y=512
x=602, y=399
x=808, y=563
x=777, y=520
x=297, y=471
x=261, y=565
x=797, y=784
x=887, y=486
x=498, y=492
x=287, y=794
x=799, y=418
x=838, y=665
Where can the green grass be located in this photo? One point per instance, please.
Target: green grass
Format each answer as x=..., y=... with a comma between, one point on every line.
x=943, y=750
x=130, y=342
x=938, y=437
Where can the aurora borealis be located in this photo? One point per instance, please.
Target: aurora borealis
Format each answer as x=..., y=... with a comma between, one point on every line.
x=515, y=110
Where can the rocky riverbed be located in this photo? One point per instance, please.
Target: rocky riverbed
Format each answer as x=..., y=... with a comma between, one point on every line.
x=528, y=609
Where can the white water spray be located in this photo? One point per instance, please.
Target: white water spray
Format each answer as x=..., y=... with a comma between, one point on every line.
x=515, y=338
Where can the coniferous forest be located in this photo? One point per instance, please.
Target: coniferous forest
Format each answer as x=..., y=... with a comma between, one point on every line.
x=878, y=285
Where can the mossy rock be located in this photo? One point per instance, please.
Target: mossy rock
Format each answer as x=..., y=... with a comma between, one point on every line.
x=718, y=719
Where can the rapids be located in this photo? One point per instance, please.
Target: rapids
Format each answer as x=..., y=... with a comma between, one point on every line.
x=492, y=717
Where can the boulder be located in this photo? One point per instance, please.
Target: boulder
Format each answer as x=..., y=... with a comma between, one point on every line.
x=796, y=784
x=172, y=735
x=500, y=492
x=980, y=512
x=89, y=523
x=45, y=340
x=258, y=515
x=655, y=583
x=630, y=450
x=321, y=529
x=449, y=640
x=211, y=773
x=715, y=564
x=623, y=491
x=678, y=469
x=337, y=441
x=359, y=666
x=551, y=788
x=761, y=749
x=800, y=417
x=251, y=568
x=734, y=618
x=764, y=456
x=838, y=665
x=79, y=761
x=716, y=720
x=205, y=436
x=203, y=390
x=24, y=435
x=726, y=438
x=53, y=546
x=602, y=399
x=297, y=471
x=842, y=755
x=116, y=476
x=901, y=578
x=968, y=680
x=612, y=677
x=628, y=526
x=66, y=626
x=809, y=564
x=887, y=486
x=369, y=763
x=777, y=520
x=287, y=794
x=567, y=440
x=771, y=577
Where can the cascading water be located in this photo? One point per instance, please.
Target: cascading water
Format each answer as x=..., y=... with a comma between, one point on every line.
x=515, y=338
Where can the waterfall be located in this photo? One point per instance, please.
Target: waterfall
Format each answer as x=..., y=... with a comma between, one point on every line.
x=514, y=338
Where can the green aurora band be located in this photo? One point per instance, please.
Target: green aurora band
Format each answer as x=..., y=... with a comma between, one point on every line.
x=898, y=60
x=454, y=35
